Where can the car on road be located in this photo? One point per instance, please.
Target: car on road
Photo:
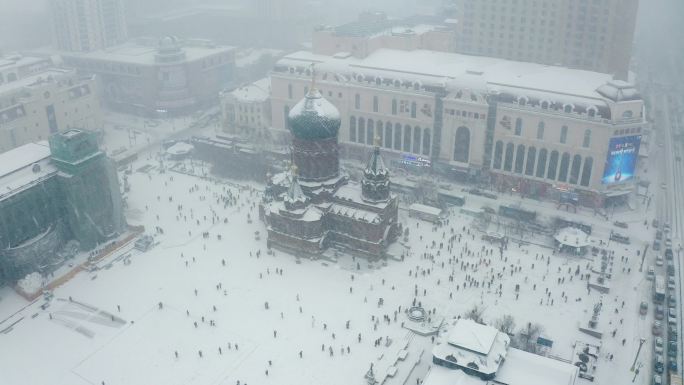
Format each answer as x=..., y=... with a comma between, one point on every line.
x=671, y=283
x=666, y=227
x=643, y=308
x=673, y=364
x=650, y=273
x=657, y=328
x=659, y=312
x=672, y=333
x=671, y=301
x=658, y=345
x=659, y=260
x=663, y=185
x=622, y=225
x=668, y=242
x=656, y=245
x=668, y=254
x=670, y=269
x=672, y=349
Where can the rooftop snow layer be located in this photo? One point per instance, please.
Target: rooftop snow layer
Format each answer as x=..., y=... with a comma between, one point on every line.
x=470, y=335
x=441, y=67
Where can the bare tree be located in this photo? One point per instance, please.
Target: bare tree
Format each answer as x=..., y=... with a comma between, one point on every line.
x=506, y=324
x=475, y=314
x=526, y=339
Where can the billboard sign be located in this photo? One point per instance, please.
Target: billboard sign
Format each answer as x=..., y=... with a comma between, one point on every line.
x=621, y=161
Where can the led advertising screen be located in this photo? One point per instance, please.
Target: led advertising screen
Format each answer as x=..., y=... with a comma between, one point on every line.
x=622, y=159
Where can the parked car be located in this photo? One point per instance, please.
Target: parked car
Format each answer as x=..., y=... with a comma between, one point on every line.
x=650, y=273
x=659, y=312
x=670, y=269
x=657, y=328
x=673, y=364
x=668, y=254
x=659, y=363
x=621, y=225
x=671, y=301
x=672, y=317
x=672, y=349
x=658, y=345
x=668, y=242
x=657, y=380
x=659, y=234
x=659, y=260
x=672, y=333
x=643, y=308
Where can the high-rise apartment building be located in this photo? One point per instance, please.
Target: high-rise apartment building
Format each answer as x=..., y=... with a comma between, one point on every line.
x=88, y=25
x=588, y=34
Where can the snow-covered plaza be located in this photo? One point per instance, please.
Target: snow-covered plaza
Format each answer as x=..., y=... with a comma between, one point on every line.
x=209, y=305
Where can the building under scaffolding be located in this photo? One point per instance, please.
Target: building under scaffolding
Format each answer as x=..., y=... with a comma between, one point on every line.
x=55, y=198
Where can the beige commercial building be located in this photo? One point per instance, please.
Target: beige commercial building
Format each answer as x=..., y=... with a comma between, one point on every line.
x=246, y=110
x=595, y=35
x=158, y=76
x=90, y=25
x=529, y=127
x=53, y=100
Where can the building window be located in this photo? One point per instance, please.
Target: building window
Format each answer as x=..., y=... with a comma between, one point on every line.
x=397, y=137
x=352, y=129
x=564, y=134
x=462, y=145
x=540, y=131
x=357, y=101
x=553, y=165
x=519, y=159
x=362, y=130
x=586, y=142
x=394, y=106
x=289, y=91
x=286, y=112
x=586, y=171
x=416, y=140
x=541, y=163
x=413, y=110
x=529, y=165
x=426, y=141
x=518, y=126
x=375, y=104
x=564, y=166
x=370, y=133
x=575, y=169
x=388, y=135
x=379, y=133
x=407, y=138
x=508, y=159
x=498, y=153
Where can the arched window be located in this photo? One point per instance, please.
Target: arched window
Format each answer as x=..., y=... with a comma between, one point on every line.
x=362, y=130
x=519, y=159
x=289, y=91
x=553, y=165
x=413, y=110
x=591, y=111
x=564, y=134
x=375, y=104
x=586, y=142
x=529, y=165
x=575, y=169
x=540, y=130
x=394, y=106
x=627, y=114
x=388, y=135
x=397, y=137
x=518, y=126
x=508, y=160
x=586, y=171
x=379, y=132
x=462, y=145
x=352, y=129
x=407, y=138
x=416, y=140
x=541, y=163
x=370, y=132
x=426, y=141
x=545, y=105
x=286, y=114
x=567, y=108
x=564, y=166
x=498, y=153
x=357, y=101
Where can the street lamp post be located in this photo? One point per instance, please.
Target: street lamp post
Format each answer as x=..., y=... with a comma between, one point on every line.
x=641, y=343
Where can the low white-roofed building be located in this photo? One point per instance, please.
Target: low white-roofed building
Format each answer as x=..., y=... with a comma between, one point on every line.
x=425, y=212
x=481, y=355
